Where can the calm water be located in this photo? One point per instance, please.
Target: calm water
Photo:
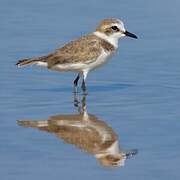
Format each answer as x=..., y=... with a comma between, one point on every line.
x=136, y=96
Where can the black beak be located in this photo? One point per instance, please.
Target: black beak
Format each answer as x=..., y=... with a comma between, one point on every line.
x=130, y=34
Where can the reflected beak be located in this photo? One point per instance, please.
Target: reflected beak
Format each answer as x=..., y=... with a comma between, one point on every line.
x=130, y=34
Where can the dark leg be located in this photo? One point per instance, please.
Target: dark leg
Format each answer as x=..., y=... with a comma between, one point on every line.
x=83, y=86
x=76, y=83
x=76, y=80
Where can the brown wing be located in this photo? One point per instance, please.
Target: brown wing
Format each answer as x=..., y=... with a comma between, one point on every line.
x=84, y=49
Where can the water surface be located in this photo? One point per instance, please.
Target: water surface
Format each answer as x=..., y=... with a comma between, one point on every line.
x=136, y=94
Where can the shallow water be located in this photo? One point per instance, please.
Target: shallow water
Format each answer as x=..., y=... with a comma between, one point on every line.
x=136, y=94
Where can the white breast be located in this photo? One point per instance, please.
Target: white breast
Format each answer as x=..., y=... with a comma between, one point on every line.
x=102, y=59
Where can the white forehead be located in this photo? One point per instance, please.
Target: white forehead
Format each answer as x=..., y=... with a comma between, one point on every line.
x=118, y=23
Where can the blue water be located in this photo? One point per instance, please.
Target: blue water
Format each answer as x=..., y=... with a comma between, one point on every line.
x=137, y=94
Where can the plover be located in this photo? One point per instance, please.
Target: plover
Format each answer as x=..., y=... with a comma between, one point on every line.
x=88, y=133
x=86, y=53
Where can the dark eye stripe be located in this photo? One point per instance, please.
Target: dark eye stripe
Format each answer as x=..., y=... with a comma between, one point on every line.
x=115, y=28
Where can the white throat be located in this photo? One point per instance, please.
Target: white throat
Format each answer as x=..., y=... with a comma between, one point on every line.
x=110, y=39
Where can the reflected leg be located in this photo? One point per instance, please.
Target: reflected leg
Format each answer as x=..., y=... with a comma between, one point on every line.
x=79, y=103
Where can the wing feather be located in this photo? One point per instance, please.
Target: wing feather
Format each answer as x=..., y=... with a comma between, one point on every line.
x=85, y=49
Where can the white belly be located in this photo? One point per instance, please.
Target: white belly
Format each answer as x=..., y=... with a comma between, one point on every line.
x=43, y=64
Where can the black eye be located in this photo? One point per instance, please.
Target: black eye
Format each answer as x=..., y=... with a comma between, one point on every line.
x=115, y=28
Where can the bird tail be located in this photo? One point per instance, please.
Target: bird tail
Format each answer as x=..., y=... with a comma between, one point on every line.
x=41, y=125
x=32, y=124
x=25, y=62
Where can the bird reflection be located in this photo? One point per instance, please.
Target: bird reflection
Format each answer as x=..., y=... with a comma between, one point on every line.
x=86, y=132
